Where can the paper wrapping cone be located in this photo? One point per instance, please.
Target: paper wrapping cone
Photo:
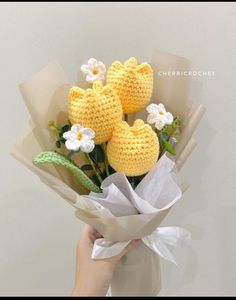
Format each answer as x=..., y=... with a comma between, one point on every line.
x=138, y=274
x=173, y=92
x=46, y=96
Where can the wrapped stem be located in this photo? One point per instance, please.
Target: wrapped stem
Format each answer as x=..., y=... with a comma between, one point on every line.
x=93, y=167
x=106, y=160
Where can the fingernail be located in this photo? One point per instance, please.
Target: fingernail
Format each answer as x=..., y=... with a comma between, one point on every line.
x=136, y=241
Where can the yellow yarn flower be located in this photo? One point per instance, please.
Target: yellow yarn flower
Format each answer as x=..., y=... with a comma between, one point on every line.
x=133, y=150
x=98, y=108
x=132, y=82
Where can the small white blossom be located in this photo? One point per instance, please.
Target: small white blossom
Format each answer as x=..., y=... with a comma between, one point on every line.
x=79, y=138
x=158, y=115
x=94, y=70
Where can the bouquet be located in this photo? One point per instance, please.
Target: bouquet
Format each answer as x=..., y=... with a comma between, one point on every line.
x=112, y=150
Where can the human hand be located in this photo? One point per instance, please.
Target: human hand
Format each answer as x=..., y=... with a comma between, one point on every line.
x=93, y=277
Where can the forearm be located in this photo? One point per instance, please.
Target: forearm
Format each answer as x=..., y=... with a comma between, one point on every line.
x=94, y=282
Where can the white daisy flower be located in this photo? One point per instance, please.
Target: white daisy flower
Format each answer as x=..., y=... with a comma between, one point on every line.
x=79, y=138
x=94, y=70
x=158, y=115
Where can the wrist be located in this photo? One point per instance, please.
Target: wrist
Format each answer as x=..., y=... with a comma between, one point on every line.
x=95, y=282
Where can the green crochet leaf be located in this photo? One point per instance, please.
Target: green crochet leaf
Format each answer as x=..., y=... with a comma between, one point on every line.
x=170, y=129
x=168, y=147
x=59, y=159
x=165, y=144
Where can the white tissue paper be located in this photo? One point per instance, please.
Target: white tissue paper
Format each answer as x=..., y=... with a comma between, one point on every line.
x=112, y=212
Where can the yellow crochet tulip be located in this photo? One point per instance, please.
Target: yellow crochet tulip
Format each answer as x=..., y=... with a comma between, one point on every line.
x=98, y=108
x=133, y=150
x=133, y=84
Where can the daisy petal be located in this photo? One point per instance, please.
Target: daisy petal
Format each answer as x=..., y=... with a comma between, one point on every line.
x=69, y=135
x=101, y=67
x=88, y=132
x=161, y=118
x=151, y=119
x=168, y=118
x=92, y=63
x=76, y=128
x=159, y=125
x=90, y=78
x=87, y=145
x=85, y=69
x=73, y=145
x=152, y=108
x=161, y=108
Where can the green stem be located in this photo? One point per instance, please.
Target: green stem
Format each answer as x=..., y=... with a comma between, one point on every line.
x=132, y=182
x=106, y=160
x=161, y=151
x=94, y=168
x=71, y=153
x=57, y=129
x=97, y=166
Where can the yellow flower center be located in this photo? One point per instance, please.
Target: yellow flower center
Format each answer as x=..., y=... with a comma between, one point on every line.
x=95, y=71
x=161, y=113
x=79, y=136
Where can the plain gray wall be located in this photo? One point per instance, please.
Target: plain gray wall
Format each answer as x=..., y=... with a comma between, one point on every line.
x=38, y=231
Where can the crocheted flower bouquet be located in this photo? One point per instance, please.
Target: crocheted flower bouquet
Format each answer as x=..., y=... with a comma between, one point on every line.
x=95, y=118
x=112, y=150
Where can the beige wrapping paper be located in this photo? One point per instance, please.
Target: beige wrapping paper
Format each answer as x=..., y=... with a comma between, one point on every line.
x=142, y=275
x=45, y=95
x=172, y=91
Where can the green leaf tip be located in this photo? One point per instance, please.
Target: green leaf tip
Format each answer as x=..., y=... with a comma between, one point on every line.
x=59, y=159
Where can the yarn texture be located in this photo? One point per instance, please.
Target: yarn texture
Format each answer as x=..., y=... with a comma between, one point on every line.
x=132, y=82
x=59, y=159
x=133, y=150
x=98, y=108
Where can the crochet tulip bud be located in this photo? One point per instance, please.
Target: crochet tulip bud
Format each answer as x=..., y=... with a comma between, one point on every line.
x=133, y=150
x=132, y=82
x=98, y=108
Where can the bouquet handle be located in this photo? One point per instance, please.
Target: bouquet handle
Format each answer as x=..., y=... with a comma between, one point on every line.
x=137, y=274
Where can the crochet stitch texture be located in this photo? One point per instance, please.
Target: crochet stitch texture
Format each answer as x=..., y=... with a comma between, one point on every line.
x=133, y=150
x=132, y=82
x=98, y=108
